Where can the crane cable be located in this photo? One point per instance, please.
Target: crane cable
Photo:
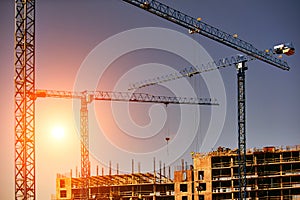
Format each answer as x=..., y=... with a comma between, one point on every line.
x=167, y=138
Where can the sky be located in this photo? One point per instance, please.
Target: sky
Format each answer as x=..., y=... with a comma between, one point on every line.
x=107, y=45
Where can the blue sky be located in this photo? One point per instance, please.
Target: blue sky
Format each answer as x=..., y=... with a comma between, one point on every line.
x=67, y=31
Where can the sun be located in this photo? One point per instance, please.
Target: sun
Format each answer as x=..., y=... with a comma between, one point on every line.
x=58, y=132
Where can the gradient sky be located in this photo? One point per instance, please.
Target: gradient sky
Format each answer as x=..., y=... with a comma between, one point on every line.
x=67, y=31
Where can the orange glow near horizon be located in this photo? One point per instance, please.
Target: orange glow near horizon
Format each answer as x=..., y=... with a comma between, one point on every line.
x=57, y=142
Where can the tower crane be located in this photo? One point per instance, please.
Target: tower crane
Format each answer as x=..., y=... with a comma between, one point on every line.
x=86, y=97
x=240, y=62
x=231, y=40
x=24, y=100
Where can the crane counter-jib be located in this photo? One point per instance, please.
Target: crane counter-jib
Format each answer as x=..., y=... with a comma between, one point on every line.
x=57, y=94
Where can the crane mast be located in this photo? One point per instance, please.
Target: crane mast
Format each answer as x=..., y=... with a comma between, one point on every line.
x=84, y=146
x=24, y=82
x=87, y=97
x=241, y=100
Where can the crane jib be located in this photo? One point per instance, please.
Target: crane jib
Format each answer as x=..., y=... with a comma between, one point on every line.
x=197, y=26
x=89, y=96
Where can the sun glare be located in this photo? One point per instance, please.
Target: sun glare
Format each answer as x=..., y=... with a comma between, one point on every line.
x=58, y=132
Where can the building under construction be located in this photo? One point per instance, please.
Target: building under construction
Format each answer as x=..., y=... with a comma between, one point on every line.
x=272, y=173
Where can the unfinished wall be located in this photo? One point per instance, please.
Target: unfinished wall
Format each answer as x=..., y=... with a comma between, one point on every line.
x=203, y=177
x=183, y=184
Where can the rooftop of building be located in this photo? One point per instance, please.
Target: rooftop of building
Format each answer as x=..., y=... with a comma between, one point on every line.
x=223, y=151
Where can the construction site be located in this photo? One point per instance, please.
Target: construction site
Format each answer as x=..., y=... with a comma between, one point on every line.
x=272, y=173
x=267, y=173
